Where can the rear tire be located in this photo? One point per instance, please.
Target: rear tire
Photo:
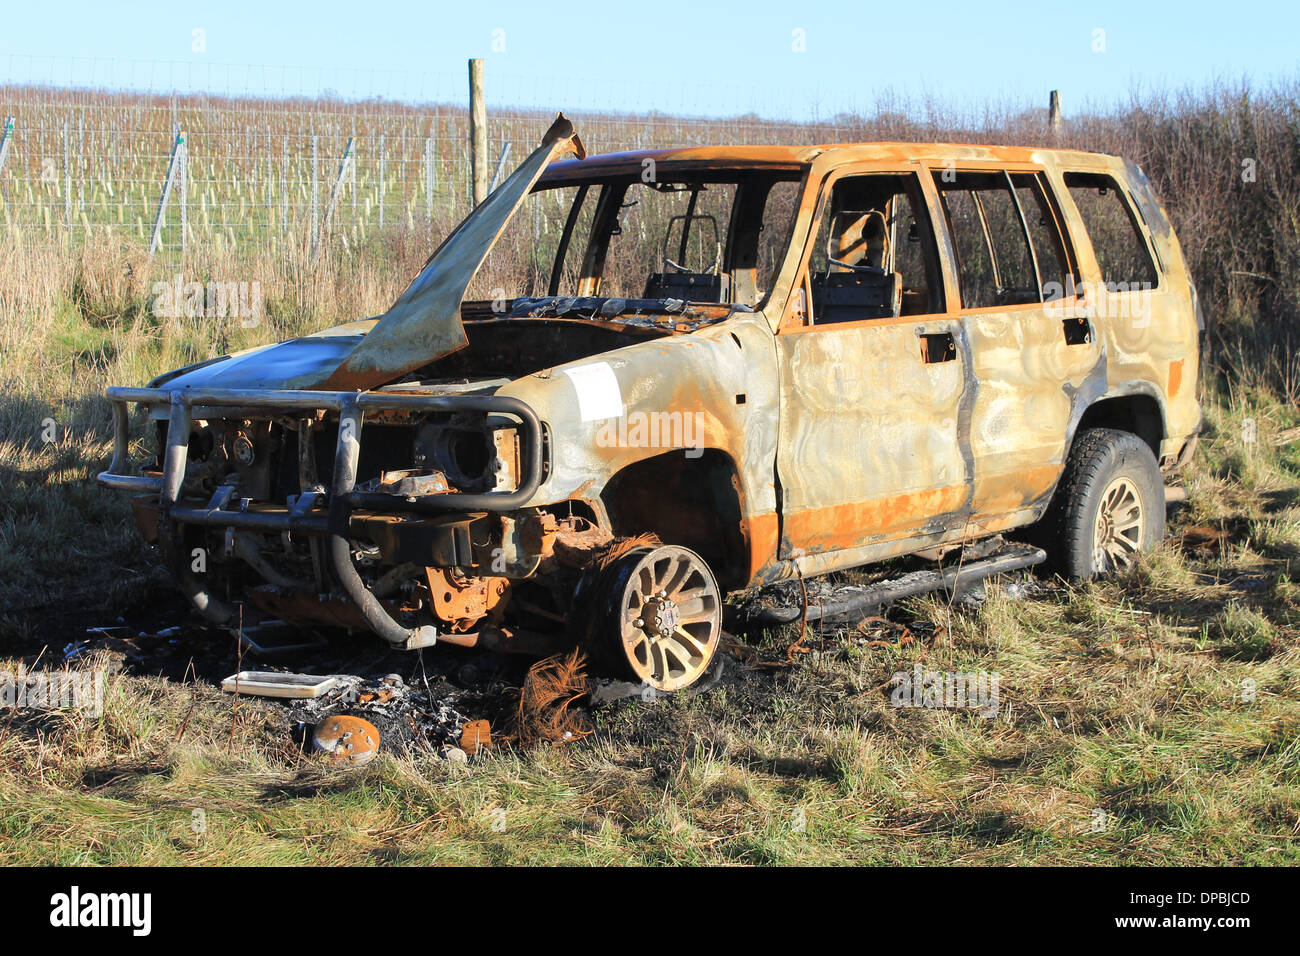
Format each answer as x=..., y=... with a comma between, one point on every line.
x=1109, y=505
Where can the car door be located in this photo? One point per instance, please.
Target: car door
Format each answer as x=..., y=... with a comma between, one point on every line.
x=1034, y=352
x=873, y=374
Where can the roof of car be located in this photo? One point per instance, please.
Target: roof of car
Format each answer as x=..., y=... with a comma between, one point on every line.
x=723, y=157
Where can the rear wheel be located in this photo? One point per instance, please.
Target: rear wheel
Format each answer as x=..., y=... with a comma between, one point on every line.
x=657, y=616
x=1109, y=506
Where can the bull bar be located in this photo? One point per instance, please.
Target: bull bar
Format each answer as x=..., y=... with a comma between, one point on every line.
x=351, y=408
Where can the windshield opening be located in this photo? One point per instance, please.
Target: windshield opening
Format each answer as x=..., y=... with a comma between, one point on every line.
x=707, y=236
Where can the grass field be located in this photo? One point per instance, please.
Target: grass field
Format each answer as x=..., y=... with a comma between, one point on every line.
x=1124, y=733
x=1150, y=718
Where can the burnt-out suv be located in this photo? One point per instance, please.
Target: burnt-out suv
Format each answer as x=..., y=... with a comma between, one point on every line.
x=628, y=385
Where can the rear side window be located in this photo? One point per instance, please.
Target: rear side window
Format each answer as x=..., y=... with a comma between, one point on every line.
x=1041, y=222
x=994, y=261
x=1122, y=253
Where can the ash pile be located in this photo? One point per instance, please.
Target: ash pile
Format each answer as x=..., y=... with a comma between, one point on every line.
x=410, y=720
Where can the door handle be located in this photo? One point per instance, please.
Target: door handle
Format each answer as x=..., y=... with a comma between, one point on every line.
x=937, y=347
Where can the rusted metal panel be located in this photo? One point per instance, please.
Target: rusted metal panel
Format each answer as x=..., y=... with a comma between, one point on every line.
x=297, y=363
x=693, y=380
x=870, y=445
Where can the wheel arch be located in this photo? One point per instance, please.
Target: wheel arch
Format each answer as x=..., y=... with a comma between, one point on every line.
x=688, y=499
x=1139, y=411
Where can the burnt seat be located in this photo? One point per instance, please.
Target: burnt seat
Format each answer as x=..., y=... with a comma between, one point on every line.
x=688, y=286
x=856, y=285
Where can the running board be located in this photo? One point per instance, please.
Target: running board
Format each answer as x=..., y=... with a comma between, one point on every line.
x=863, y=600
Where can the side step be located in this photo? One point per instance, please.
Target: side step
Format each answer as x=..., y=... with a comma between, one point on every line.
x=862, y=600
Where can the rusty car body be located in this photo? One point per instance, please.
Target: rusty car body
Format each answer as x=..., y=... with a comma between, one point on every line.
x=719, y=368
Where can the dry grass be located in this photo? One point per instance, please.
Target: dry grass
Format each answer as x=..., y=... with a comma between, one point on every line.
x=1148, y=719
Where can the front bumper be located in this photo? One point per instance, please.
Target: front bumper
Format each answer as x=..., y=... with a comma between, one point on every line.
x=303, y=516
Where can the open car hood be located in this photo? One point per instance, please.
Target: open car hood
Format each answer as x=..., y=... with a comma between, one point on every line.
x=424, y=323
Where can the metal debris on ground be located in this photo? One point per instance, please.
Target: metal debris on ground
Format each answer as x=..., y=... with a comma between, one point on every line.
x=881, y=632
x=121, y=642
x=410, y=720
x=475, y=736
x=274, y=684
x=830, y=601
x=347, y=739
x=604, y=690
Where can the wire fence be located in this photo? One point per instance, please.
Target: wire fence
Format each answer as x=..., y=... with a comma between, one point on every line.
x=274, y=173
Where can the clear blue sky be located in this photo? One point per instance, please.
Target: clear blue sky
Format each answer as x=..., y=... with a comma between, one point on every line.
x=676, y=55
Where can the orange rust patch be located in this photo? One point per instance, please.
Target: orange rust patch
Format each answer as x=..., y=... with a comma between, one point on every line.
x=347, y=739
x=475, y=736
x=463, y=602
x=1175, y=376
x=848, y=525
x=764, y=534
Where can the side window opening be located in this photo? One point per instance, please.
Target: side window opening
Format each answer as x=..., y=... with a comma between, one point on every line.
x=523, y=260
x=774, y=234
x=995, y=263
x=873, y=255
x=1117, y=240
x=1046, y=240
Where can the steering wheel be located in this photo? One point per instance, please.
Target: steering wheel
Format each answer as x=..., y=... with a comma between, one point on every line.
x=869, y=270
x=712, y=270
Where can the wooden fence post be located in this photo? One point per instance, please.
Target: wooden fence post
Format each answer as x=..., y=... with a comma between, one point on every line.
x=477, y=132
